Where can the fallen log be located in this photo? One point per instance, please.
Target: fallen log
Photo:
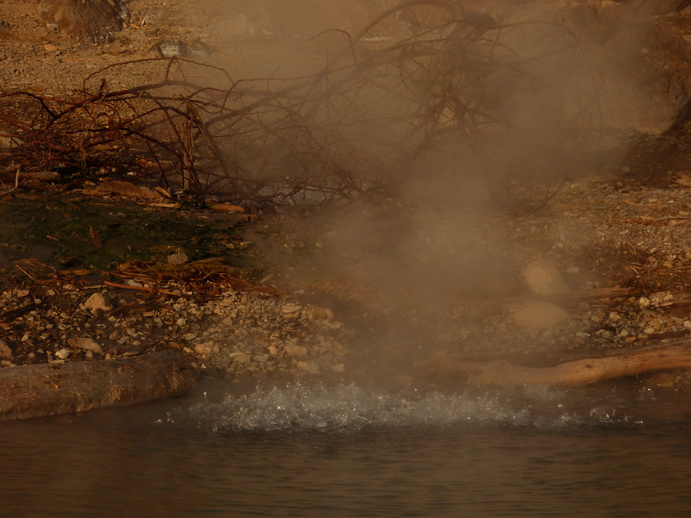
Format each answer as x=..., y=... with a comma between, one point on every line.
x=53, y=389
x=454, y=369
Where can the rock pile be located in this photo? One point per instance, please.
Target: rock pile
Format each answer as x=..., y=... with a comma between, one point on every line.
x=241, y=333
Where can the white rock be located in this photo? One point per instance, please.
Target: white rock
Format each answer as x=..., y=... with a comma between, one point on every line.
x=543, y=278
x=97, y=302
x=539, y=315
x=87, y=344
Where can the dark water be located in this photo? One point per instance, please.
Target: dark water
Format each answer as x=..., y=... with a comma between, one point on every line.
x=346, y=451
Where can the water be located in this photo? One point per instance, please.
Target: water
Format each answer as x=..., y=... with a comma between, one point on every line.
x=342, y=450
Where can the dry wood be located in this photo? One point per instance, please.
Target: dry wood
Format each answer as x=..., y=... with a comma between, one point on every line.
x=573, y=373
x=53, y=389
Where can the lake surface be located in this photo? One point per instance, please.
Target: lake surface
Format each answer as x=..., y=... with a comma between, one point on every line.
x=343, y=450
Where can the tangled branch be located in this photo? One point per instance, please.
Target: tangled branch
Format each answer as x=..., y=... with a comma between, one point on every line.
x=348, y=129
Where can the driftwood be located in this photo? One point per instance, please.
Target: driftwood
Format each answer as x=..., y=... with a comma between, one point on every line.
x=49, y=389
x=575, y=373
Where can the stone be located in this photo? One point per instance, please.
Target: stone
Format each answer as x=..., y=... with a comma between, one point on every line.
x=539, y=315
x=63, y=354
x=241, y=358
x=86, y=344
x=179, y=258
x=290, y=310
x=97, y=303
x=296, y=351
x=206, y=348
x=5, y=351
x=544, y=278
x=310, y=367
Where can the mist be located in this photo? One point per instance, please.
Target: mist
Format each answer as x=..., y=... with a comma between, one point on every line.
x=430, y=130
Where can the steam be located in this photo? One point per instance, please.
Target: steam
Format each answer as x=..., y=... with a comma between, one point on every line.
x=453, y=126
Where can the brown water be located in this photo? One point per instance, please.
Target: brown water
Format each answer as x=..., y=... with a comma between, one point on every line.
x=345, y=451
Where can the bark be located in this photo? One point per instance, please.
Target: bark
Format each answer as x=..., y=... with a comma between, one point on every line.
x=573, y=373
x=49, y=389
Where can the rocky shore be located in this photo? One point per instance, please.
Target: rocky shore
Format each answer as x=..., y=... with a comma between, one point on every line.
x=604, y=265
x=360, y=288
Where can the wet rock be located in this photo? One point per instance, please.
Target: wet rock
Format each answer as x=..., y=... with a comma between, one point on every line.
x=539, y=315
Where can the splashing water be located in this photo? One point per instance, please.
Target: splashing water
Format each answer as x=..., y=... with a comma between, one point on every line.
x=342, y=407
